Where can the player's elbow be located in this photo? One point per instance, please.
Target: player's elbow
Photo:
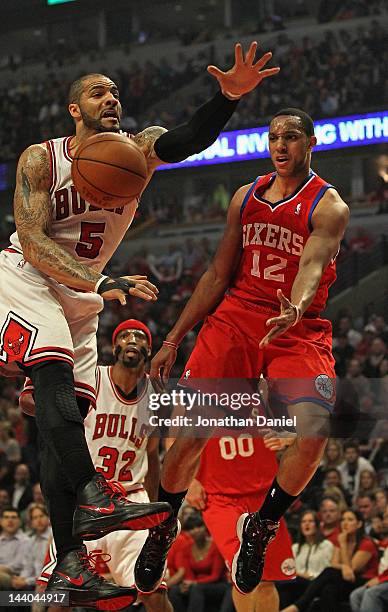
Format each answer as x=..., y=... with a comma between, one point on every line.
x=29, y=242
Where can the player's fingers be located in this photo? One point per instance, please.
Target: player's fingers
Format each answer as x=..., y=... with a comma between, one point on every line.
x=238, y=54
x=166, y=373
x=275, y=331
x=156, y=382
x=283, y=299
x=216, y=72
x=280, y=320
x=250, y=56
x=135, y=277
x=269, y=72
x=115, y=294
x=142, y=292
x=262, y=61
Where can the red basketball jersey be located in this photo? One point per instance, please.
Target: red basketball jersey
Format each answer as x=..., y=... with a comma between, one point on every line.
x=236, y=466
x=274, y=236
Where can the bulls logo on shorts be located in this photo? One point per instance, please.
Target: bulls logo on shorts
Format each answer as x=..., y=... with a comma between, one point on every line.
x=16, y=338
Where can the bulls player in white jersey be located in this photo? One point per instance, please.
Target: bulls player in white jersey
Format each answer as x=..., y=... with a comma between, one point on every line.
x=118, y=435
x=52, y=289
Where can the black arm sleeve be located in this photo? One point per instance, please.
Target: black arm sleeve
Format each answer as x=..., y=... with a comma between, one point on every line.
x=199, y=133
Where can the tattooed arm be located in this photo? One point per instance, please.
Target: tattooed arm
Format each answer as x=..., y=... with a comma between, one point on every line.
x=146, y=141
x=33, y=217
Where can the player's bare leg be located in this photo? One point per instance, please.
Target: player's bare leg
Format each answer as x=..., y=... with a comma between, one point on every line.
x=297, y=467
x=156, y=602
x=185, y=453
x=264, y=597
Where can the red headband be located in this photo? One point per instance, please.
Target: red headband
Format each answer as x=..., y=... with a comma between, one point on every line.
x=132, y=324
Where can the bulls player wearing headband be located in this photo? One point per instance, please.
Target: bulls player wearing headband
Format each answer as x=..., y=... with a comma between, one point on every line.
x=52, y=290
x=118, y=436
x=276, y=262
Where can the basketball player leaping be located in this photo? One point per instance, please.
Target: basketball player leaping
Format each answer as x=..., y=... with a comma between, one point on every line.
x=277, y=260
x=51, y=292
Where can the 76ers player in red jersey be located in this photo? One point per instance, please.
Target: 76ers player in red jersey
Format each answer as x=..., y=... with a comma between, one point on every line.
x=233, y=477
x=277, y=261
x=52, y=289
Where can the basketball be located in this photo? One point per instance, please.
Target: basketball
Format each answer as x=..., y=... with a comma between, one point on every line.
x=109, y=170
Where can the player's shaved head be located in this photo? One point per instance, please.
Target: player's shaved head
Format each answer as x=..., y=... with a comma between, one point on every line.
x=305, y=119
x=77, y=86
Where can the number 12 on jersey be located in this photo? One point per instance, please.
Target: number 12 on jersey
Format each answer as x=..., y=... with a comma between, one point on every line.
x=271, y=272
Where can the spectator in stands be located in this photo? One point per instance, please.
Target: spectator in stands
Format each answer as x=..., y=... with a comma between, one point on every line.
x=359, y=381
x=376, y=354
x=366, y=505
x=352, y=467
x=333, y=479
x=37, y=495
x=355, y=561
x=204, y=571
x=373, y=596
x=312, y=552
x=4, y=499
x=381, y=500
x=344, y=325
x=330, y=515
x=338, y=496
x=343, y=353
x=14, y=546
x=333, y=456
x=368, y=482
x=33, y=561
x=8, y=444
x=21, y=491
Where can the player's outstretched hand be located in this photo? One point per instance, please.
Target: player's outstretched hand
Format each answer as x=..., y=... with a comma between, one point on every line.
x=289, y=315
x=136, y=286
x=245, y=74
x=196, y=495
x=161, y=365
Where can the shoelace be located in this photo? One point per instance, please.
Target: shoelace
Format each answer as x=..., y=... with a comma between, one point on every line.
x=114, y=489
x=90, y=560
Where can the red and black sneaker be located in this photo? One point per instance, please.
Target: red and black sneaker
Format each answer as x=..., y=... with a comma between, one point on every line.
x=75, y=575
x=102, y=508
x=254, y=534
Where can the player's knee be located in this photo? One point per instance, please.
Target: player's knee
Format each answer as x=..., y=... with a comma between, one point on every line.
x=55, y=398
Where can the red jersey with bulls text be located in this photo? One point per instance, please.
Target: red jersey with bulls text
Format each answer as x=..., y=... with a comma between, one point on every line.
x=234, y=466
x=273, y=238
x=90, y=234
x=117, y=431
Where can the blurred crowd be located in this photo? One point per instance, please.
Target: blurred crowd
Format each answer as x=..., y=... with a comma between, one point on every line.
x=342, y=72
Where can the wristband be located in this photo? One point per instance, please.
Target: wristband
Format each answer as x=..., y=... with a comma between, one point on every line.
x=298, y=314
x=107, y=284
x=171, y=344
x=98, y=283
x=230, y=96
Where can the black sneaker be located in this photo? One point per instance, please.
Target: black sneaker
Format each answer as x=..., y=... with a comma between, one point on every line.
x=248, y=562
x=151, y=563
x=102, y=508
x=77, y=577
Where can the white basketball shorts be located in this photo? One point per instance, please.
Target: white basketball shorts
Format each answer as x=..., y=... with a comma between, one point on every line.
x=42, y=320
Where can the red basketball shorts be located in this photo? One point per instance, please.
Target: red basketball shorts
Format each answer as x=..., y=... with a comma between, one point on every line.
x=221, y=515
x=298, y=366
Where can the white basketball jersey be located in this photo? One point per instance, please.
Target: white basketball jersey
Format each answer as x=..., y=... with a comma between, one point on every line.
x=88, y=233
x=117, y=432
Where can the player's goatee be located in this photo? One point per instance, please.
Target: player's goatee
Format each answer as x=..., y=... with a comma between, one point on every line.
x=96, y=124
